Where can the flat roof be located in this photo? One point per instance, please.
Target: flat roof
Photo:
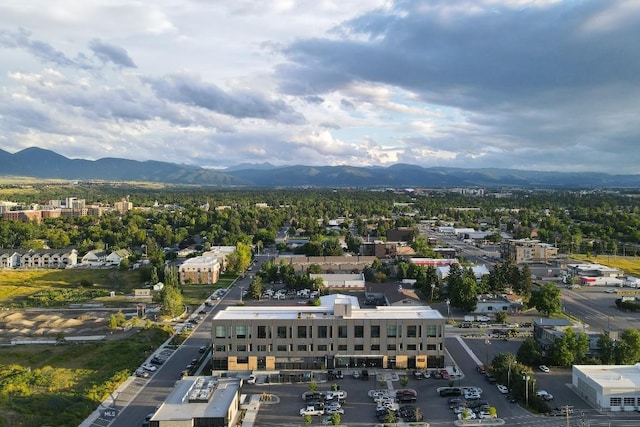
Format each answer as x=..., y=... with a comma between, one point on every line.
x=326, y=311
x=612, y=376
x=182, y=402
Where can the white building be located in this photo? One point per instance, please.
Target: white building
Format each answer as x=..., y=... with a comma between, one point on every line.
x=341, y=282
x=199, y=270
x=608, y=387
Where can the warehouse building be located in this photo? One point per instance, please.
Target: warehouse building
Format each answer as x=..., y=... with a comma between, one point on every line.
x=608, y=387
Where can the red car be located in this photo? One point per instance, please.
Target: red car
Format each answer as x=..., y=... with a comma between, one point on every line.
x=445, y=374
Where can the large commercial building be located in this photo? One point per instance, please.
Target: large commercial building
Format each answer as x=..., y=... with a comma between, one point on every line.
x=337, y=333
x=608, y=387
x=527, y=250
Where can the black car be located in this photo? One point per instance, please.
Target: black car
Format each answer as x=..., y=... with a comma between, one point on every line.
x=156, y=361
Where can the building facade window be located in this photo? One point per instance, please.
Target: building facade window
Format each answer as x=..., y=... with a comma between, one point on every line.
x=615, y=401
x=261, y=347
x=342, y=331
x=241, y=331
x=220, y=348
x=221, y=331
x=411, y=347
x=432, y=330
x=358, y=331
x=358, y=347
x=282, y=347
x=302, y=347
x=629, y=401
x=322, y=332
x=391, y=347
x=375, y=331
x=302, y=331
x=242, y=348
x=282, y=331
x=392, y=331
x=262, y=332
x=412, y=331
x=342, y=347
x=322, y=347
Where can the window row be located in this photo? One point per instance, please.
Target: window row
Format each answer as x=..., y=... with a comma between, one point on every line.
x=324, y=331
x=627, y=401
x=341, y=348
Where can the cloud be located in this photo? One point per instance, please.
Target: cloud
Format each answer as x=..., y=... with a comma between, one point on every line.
x=110, y=53
x=191, y=90
x=44, y=51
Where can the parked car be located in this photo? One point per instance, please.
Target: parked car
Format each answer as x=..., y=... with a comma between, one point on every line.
x=156, y=361
x=149, y=367
x=502, y=388
x=444, y=374
x=142, y=373
x=331, y=411
x=311, y=410
x=544, y=368
x=251, y=379
x=544, y=395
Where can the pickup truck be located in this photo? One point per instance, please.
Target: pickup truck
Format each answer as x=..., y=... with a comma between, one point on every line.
x=311, y=410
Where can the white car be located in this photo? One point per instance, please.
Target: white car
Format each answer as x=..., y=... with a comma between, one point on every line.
x=472, y=395
x=310, y=410
x=611, y=291
x=470, y=415
x=502, y=388
x=486, y=414
x=251, y=379
x=543, y=368
x=334, y=411
x=149, y=367
x=544, y=395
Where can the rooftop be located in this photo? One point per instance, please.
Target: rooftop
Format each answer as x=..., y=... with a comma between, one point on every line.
x=613, y=376
x=326, y=310
x=199, y=397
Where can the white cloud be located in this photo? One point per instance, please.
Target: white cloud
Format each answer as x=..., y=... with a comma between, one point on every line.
x=549, y=85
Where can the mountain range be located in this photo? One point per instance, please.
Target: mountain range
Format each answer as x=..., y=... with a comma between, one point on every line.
x=45, y=164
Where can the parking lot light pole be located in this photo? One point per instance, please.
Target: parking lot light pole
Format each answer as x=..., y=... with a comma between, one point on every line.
x=525, y=378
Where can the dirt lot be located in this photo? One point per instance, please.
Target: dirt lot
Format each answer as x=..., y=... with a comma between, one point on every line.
x=47, y=324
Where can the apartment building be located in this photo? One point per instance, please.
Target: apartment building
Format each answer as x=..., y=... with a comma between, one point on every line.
x=527, y=250
x=336, y=334
x=200, y=269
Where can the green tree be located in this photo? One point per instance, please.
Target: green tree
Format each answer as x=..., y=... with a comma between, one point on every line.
x=627, y=348
x=529, y=352
x=462, y=288
x=546, y=300
x=606, y=345
x=502, y=317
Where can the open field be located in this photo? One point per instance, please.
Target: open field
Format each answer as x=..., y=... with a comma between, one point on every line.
x=630, y=265
x=62, y=385
x=17, y=285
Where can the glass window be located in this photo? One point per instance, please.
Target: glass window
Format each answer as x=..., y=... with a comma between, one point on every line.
x=221, y=331
x=262, y=347
x=242, y=347
x=302, y=331
x=241, y=331
x=431, y=347
x=392, y=331
x=411, y=347
x=342, y=347
x=342, y=331
x=302, y=347
x=432, y=330
x=391, y=347
x=220, y=348
x=322, y=347
x=358, y=331
x=282, y=331
x=375, y=331
x=322, y=332
x=412, y=331
x=375, y=347
x=629, y=401
x=262, y=332
x=358, y=347
x=282, y=347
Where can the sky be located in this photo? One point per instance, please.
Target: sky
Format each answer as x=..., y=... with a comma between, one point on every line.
x=546, y=85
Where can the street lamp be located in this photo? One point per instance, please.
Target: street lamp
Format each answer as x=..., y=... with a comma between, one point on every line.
x=448, y=309
x=509, y=375
x=526, y=378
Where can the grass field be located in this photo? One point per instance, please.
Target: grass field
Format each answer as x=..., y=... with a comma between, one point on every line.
x=15, y=285
x=630, y=265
